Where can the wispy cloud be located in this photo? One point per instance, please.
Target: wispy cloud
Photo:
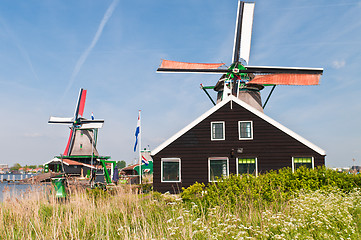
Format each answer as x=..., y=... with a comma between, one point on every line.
x=33, y=135
x=87, y=51
x=338, y=64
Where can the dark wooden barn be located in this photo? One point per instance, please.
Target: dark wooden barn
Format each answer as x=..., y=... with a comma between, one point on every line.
x=231, y=138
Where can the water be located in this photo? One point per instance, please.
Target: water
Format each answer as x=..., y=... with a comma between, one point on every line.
x=15, y=177
x=12, y=190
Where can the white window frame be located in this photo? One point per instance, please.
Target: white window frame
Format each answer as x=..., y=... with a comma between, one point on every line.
x=247, y=157
x=209, y=166
x=170, y=160
x=224, y=131
x=293, y=162
x=239, y=130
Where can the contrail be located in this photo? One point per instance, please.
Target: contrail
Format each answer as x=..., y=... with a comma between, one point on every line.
x=86, y=53
x=21, y=49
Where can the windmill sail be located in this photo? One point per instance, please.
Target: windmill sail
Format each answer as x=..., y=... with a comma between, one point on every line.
x=67, y=148
x=79, y=109
x=286, y=79
x=186, y=67
x=243, y=32
x=91, y=125
x=61, y=120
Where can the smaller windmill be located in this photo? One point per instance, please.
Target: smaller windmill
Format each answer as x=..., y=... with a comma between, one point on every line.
x=83, y=132
x=242, y=80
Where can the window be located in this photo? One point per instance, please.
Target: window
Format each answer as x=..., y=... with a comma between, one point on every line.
x=170, y=170
x=245, y=130
x=247, y=165
x=218, y=168
x=302, y=161
x=81, y=145
x=217, y=131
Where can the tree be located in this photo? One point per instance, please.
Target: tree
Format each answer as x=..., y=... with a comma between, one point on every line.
x=121, y=164
x=15, y=167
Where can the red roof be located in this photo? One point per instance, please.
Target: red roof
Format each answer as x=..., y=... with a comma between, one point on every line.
x=72, y=162
x=131, y=167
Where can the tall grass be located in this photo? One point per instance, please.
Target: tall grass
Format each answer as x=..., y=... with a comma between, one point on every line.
x=124, y=214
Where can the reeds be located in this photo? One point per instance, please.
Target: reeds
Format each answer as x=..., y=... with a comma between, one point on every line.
x=122, y=213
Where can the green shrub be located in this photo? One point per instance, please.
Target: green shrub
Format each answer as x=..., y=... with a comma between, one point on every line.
x=272, y=187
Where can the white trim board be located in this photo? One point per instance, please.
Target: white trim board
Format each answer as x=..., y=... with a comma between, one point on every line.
x=249, y=108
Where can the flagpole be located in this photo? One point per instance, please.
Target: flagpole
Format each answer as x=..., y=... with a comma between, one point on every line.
x=140, y=148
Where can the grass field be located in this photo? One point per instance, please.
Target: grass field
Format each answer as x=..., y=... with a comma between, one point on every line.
x=325, y=213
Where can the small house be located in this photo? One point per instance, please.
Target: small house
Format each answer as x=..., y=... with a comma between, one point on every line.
x=233, y=137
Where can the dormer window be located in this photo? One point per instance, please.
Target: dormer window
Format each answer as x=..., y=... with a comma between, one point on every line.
x=217, y=131
x=245, y=130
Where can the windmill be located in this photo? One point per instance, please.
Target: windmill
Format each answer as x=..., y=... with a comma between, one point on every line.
x=83, y=132
x=241, y=79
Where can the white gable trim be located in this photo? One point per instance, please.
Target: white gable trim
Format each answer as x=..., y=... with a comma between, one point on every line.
x=55, y=160
x=249, y=108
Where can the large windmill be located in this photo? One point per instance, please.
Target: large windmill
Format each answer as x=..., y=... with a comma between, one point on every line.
x=83, y=132
x=241, y=79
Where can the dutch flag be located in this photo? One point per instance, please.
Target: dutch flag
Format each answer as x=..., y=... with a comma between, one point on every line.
x=137, y=131
x=92, y=116
x=145, y=161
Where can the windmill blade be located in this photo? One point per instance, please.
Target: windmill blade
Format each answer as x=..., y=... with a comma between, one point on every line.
x=287, y=79
x=70, y=141
x=185, y=67
x=60, y=120
x=91, y=125
x=243, y=31
x=295, y=70
x=79, y=109
x=203, y=71
x=82, y=121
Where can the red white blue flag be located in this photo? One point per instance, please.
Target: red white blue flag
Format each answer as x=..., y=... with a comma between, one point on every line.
x=145, y=161
x=137, y=131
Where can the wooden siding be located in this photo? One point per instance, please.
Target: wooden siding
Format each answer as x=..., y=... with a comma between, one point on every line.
x=272, y=147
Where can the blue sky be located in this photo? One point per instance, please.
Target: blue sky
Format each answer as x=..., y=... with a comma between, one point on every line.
x=50, y=49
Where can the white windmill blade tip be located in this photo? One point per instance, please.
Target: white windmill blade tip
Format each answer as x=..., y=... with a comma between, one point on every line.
x=60, y=119
x=246, y=35
x=235, y=46
x=91, y=125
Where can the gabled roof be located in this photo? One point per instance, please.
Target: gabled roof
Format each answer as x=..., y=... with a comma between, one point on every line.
x=131, y=167
x=68, y=162
x=249, y=108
